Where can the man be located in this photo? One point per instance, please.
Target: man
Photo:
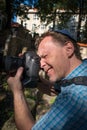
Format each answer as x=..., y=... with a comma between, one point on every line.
x=60, y=59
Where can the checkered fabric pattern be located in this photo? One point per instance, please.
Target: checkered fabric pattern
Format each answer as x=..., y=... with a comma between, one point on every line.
x=69, y=111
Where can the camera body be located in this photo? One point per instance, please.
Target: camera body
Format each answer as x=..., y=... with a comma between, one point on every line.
x=30, y=61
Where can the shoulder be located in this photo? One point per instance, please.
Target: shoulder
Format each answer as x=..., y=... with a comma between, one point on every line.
x=72, y=93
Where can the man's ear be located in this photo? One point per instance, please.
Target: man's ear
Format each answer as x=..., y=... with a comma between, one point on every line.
x=69, y=49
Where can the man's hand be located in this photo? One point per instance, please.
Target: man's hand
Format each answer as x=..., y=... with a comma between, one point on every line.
x=23, y=116
x=15, y=82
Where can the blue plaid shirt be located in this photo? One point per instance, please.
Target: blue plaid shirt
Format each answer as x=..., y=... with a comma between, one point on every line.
x=69, y=111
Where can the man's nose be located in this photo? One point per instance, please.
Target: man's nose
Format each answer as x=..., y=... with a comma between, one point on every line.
x=42, y=63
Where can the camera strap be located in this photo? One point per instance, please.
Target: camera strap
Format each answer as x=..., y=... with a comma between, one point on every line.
x=80, y=80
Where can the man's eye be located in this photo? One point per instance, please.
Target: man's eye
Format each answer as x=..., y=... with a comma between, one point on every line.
x=44, y=56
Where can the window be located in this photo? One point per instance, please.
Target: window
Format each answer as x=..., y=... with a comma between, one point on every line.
x=33, y=27
x=35, y=17
x=43, y=26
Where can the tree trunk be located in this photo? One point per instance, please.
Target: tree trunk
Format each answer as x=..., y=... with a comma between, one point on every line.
x=81, y=7
x=8, y=12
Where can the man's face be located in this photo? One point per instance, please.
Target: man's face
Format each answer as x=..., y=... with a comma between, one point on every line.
x=54, y=59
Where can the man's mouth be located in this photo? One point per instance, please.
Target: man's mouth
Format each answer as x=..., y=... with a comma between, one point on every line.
x=48, y=70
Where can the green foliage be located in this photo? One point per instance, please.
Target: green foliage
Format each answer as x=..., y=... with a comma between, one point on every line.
x=52, y=100
x=6, y=106
x=50, y=9
x=84, y=33
x=63, y=20
x=21, y=10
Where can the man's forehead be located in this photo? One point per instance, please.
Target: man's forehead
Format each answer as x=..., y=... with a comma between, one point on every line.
x=45, y=42
x=46, y=47
x=41, y=51
x=46, y=39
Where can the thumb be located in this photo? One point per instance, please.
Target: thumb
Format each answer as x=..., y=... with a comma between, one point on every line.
x=19, y=73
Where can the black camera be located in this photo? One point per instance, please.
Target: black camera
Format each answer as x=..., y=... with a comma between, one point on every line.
x=30, y=61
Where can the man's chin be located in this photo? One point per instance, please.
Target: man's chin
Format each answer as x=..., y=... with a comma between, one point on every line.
x=52, y=79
